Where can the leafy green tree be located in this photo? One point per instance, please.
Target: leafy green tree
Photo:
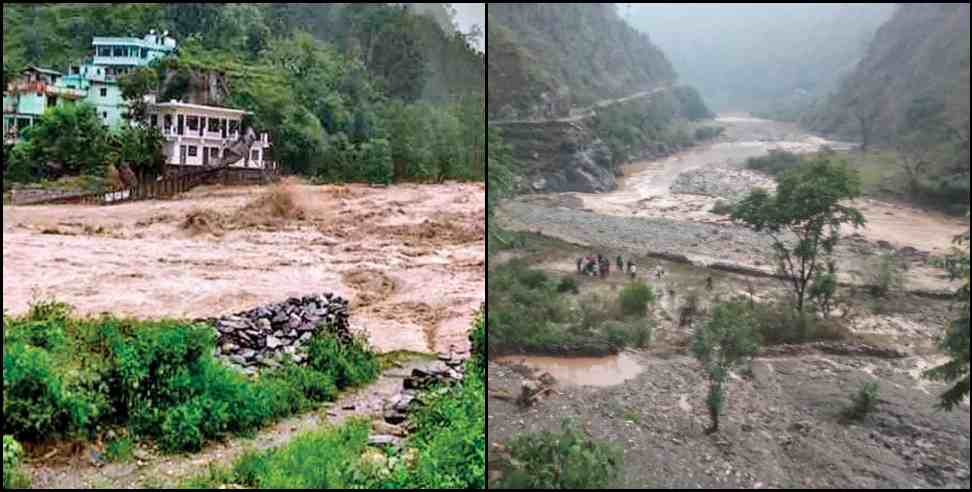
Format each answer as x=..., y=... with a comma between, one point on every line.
x=806, y=208
x=70, y=140
x=134, y=87
x=141, y=149
x=956, y=340
x=726, y=340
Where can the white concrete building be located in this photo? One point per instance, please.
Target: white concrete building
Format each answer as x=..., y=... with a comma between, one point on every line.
x=208, y=136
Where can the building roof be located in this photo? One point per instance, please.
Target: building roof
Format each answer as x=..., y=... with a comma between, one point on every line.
x=216, y=109
x=141, y=43
x=42, y=70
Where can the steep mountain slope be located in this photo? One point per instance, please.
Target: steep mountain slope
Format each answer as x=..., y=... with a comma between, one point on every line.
x=544, y=59
x=920, y=57
x=911, y=92
x=760, y=57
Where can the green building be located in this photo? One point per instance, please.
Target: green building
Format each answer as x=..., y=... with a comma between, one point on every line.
x=94, y=81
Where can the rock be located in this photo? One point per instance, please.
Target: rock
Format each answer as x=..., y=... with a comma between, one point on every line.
x=384, y=441
x=385, y=428
x=273, y=342
x=263, y=324
x=395, y=418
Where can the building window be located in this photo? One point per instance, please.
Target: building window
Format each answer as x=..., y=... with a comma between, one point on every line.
x=104, y=92
x=75, y=70
x=104, y=51
x=144, y=53
x=168, y=121
x=193, y=151
x=51, y=101
x=155, y=120
x=193, y=122
x=120, y=51
x=215, y=153
x=213, y=125
x=104, y=115
x=255, y=156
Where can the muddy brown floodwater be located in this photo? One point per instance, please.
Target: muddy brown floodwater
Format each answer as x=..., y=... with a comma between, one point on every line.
x=411, y=258
x=582, y=371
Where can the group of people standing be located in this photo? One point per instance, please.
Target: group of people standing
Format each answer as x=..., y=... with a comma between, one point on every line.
x=600, y=266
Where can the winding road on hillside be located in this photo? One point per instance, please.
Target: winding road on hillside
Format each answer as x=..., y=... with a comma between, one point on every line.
x=583, y=113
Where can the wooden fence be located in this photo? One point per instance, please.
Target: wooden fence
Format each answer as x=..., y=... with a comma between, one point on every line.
x=164, y=188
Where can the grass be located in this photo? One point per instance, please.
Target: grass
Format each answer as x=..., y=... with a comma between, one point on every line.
x=446, y=451
x=68, y=377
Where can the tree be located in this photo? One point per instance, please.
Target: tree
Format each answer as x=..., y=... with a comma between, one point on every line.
x=806, y=207
x=957, y=339
x=69, y=140
x=134, y=87
x=720, y=345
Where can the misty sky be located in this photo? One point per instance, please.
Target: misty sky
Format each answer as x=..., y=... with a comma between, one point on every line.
x=470, y=14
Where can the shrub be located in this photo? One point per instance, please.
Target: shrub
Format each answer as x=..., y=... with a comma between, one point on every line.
x=120, y=450
x=13, y=477
x=36, y=402
x=885, y=275
x=182, y=428
x=777, y=324
x=478, y=341
x=567, y=284
x=776, y=163
x=350, y=364
x=565, y=460
x=722, y=207
x=864, y=401
x=635, y=298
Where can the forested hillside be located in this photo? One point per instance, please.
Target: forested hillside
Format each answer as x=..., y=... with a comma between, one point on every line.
x=348, y=91
x=544, y=59
x=911, y=92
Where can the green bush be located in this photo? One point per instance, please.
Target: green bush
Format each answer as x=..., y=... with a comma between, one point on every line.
x=120, y=450
x=13, y=476
x=567, y=284
x=350, y=364
x=776, y=163
x=159, y=378
x=635, y=299
x=478, y=340
x=778, y=323
x=722, y=207
x=864, y=401
x=36, y=402
x=709, y=132
x=885, y=275
x=565, y=460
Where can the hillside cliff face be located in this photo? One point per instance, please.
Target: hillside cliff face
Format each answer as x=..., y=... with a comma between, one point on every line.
x=544, y=59
x=919, y=60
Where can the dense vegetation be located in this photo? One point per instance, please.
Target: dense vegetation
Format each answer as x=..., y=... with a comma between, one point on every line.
x=448, y=449
x=568, y=460
x=659, y=125
x=68, y=378
x=349, y=92
x=911, y=93
x=529, y=314
x=545, y=58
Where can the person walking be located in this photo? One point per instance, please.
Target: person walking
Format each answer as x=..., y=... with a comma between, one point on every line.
x=620, y=264
x=580, y=265
x=632, y=269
